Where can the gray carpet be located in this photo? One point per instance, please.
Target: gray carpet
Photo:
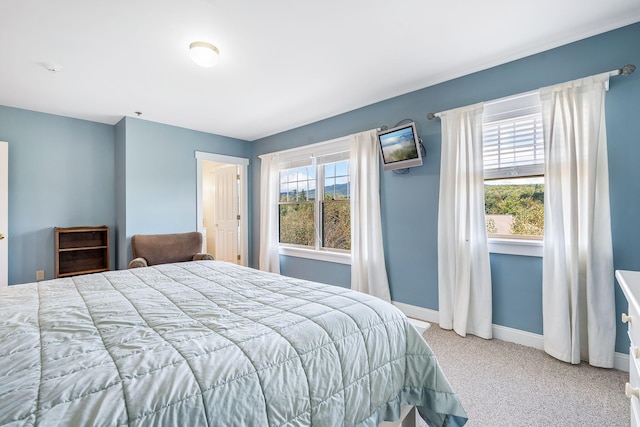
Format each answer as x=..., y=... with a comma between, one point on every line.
x=506, y=384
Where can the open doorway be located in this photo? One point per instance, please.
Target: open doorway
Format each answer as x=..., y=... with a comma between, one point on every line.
x=222, y=206
x=4, y=213
x=221, y=210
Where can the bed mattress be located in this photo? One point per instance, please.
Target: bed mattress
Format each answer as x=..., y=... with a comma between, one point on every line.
x=210, y=343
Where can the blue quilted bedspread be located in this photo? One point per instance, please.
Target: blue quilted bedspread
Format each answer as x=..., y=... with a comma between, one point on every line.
x=210, y=344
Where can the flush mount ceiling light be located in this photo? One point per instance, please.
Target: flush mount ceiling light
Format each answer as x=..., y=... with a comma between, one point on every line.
x=204, y=54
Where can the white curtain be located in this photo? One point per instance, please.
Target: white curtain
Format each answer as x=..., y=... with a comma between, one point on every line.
x=577, y=280
x=368, y=269
x=464, y=275
x=269, y=246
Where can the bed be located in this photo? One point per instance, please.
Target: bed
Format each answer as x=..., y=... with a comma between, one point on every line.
x=209, y=343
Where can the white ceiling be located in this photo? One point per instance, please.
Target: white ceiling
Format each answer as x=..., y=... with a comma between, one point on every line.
x=283, y=63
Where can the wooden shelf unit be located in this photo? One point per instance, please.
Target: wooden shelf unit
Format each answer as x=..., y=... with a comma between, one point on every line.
x=81, y=250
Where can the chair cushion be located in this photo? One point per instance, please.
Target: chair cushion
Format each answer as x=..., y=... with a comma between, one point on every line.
x=166, y=248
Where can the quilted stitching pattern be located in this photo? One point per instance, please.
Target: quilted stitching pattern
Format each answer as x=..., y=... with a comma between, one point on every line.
x=202, y=343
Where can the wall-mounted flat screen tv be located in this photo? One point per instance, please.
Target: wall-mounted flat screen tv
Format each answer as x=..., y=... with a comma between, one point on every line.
x=400, y=147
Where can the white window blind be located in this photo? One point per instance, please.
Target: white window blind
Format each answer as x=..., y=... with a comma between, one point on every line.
x=316, y=154
x=312, y=160
x=333, y=157
x=513, y=143
x=296, y=162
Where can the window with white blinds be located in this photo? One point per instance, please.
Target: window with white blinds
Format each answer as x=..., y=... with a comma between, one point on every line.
x=513, y=156
x=513, y=142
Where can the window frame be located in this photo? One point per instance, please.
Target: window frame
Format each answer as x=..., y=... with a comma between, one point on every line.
x=332, y=151
x=523, y=247
x=513, y=107
x=298, y=202
x=322, y=202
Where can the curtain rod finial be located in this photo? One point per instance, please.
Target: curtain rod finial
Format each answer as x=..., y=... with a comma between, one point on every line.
x=627, y=69
x=431, y=116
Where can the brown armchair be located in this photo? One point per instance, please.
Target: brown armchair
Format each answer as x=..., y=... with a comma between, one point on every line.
x=152, y=249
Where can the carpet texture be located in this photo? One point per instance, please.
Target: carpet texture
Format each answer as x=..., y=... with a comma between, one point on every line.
x=506, y=384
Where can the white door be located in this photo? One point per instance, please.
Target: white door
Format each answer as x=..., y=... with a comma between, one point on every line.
x=205, y=201
x=226, y=213
x=4, y=213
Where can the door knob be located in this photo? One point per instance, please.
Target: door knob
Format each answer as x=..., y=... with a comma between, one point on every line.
x=631, y=391
x=1, y=236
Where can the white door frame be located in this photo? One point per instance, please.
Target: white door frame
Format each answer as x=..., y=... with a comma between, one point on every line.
x=4, y=213
x=244, y=197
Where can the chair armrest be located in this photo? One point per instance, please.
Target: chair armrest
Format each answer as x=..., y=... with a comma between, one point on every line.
x=138, y=262
x=202, y=257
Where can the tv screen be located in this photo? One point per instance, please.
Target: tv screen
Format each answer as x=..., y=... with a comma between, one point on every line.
x=400, y=147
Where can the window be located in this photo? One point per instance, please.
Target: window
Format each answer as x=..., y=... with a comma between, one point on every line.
x=336, y=206
x=297, y=206
x=315, y=201
x=513, y=155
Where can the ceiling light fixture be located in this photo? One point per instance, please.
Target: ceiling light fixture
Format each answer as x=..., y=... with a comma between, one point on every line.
x=204, y=54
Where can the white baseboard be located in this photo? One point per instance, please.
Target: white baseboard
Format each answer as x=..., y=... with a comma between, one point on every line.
x=621, y=361
x=517, y=336
x=419, y=313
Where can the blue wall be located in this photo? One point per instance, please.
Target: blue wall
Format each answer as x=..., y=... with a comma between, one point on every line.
x=302, y=268
x=517, y=292
x=135, y=177
x=410, y=202
x=61, y=174
x=160, y=167
x=120, y=243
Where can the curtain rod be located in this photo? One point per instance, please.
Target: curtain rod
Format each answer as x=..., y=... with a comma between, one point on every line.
x=624, y=71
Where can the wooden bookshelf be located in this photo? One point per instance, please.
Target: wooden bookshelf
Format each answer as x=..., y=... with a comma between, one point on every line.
x=81, y=250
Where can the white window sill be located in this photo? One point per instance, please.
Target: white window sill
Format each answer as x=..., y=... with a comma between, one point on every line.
x=516, y=247
x=337, y=257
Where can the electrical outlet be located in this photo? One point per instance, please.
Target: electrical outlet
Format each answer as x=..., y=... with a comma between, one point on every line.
x=40, y=275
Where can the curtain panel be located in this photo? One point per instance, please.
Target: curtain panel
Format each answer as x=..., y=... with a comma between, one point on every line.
x=368, y=269
x=578, y=276
x=464, y=275
x=269, y=242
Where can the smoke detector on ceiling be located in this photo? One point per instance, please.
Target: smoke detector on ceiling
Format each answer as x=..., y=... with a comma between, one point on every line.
x=54, y=68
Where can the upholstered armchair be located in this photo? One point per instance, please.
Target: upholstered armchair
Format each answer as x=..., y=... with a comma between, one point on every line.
x=152, y=249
